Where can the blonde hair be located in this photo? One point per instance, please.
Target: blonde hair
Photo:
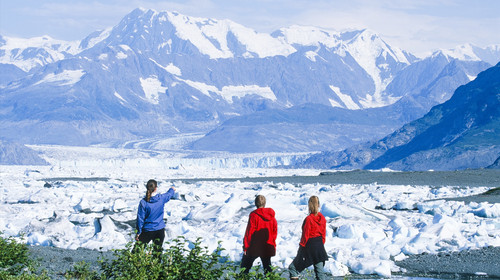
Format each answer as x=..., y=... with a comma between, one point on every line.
x=313, y=205
x=260, y=201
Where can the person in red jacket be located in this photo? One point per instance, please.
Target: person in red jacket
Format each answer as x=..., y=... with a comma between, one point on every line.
x=312, y=243
x=260, y=236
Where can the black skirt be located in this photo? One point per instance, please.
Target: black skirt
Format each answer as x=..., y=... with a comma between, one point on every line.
x=313, y=253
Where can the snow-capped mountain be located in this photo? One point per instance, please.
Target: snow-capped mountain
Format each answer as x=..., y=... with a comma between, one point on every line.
x=27, y=54
x=463, y=132
x=470, y=52
x=164, y=73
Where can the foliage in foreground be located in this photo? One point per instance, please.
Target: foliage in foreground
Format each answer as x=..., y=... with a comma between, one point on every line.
x=15, y=262
x=183, y=260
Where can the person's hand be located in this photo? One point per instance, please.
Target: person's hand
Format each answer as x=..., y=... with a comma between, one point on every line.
x=173, y=188
x=137, y=237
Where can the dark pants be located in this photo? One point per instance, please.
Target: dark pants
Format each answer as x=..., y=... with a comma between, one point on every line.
x=157, y=236
x=247, y=262
x=319, y=271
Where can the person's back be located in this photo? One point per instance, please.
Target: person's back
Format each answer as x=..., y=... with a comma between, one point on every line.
x=260, y=236
x=311, y=247
x=154, y=211
x=262, y=232
x=150, y=224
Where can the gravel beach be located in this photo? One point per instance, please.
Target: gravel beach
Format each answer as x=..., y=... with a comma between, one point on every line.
x=57, y=261
x=472, y=264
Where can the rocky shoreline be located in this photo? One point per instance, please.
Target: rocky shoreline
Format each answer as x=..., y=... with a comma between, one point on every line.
x=479, y=263
x=469, y=264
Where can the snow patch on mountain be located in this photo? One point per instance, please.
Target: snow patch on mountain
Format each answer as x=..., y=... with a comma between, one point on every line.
x=228, y=92
x=170, y=68
x=121, y=55
x=346, y=99
x=122, y=100
x=65, y=78
x=311, y=56
x=152, y=87
x=471, y=78
x=335, y=103
x=201, y=87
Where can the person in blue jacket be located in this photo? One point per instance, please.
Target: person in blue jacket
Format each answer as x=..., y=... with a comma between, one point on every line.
x=150, y=223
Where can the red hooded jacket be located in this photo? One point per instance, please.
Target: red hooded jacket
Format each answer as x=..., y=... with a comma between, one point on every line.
x=261, y=233
x=313, y=226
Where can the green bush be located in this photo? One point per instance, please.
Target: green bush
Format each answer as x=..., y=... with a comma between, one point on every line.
x=194, y=263
x=132, y=264
x=15, y=262
x=177, y=262
x=82, y=271
x=14, y=256
x=183, y=260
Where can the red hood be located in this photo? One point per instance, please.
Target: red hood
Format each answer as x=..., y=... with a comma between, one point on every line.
x=266, y=214
x=319, y=219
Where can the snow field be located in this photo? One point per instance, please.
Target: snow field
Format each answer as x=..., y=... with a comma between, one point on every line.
x=368, y=226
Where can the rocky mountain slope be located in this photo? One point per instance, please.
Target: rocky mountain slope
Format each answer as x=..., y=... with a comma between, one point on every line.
x=159, y=74
x=463, y=132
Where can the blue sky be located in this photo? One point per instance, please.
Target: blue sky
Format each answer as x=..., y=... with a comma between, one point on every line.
x=418, y=26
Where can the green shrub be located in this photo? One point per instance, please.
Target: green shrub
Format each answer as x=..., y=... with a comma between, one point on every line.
x=14, y=256
x=82, y=271
x=195, y=262
x=15, y=262
x=183, y=260
x=25, y=275
x=132, y=264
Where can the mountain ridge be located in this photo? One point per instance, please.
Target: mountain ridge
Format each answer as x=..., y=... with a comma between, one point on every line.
x=461, y=133
x=158, y=74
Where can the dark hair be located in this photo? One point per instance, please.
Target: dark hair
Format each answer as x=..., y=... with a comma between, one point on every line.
x=150, y=188
x=260, y=201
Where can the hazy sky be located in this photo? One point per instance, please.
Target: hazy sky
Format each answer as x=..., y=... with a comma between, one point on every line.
x=418, y=26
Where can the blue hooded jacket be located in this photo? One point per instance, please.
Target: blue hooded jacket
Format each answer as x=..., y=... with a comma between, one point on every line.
x=150, y=214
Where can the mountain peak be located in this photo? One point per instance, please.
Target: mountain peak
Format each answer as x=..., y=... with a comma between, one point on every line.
x=37, y=51
x=308, y=36
x=470, y=52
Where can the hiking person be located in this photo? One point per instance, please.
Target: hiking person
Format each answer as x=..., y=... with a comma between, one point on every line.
x=150, y=224
x=260, y=236
x=311, y=248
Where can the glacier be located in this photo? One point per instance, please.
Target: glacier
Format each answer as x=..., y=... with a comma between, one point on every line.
x=369, y=226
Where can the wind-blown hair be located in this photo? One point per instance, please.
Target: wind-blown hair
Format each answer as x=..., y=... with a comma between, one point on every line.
x=260, y=201
x=150, y=188
x=313, y=205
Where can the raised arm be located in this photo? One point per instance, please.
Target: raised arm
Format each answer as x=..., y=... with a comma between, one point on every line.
x=168, y=195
